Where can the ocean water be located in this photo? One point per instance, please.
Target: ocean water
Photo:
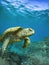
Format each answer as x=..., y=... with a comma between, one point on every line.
x=17, y=14
x=22, y=13
x=27, y=14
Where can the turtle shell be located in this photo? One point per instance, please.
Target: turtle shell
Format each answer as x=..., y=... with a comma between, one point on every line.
x=11, y=31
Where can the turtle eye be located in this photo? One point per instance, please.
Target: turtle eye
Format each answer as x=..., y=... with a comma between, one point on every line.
x=30, y=29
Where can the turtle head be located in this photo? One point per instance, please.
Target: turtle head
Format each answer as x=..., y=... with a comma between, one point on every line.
x=28, y=32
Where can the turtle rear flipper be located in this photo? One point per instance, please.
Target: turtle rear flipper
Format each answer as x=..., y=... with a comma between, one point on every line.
x=5, y=44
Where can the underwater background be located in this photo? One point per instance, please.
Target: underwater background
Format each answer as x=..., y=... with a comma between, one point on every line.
x=28, y=14
x=25, y=13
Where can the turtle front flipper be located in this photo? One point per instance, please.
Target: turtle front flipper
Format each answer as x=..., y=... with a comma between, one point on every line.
x=26, y=42
x=5, y=44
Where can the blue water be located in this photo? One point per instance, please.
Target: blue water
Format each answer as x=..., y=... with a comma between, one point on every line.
x=11, y=16
x=27, y=14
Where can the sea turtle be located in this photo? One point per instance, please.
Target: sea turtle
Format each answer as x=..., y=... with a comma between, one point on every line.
x=16, y=34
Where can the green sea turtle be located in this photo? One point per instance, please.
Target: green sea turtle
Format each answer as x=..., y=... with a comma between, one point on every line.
x=16, y=34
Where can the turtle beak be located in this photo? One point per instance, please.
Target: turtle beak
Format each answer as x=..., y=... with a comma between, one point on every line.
x=32, y=31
